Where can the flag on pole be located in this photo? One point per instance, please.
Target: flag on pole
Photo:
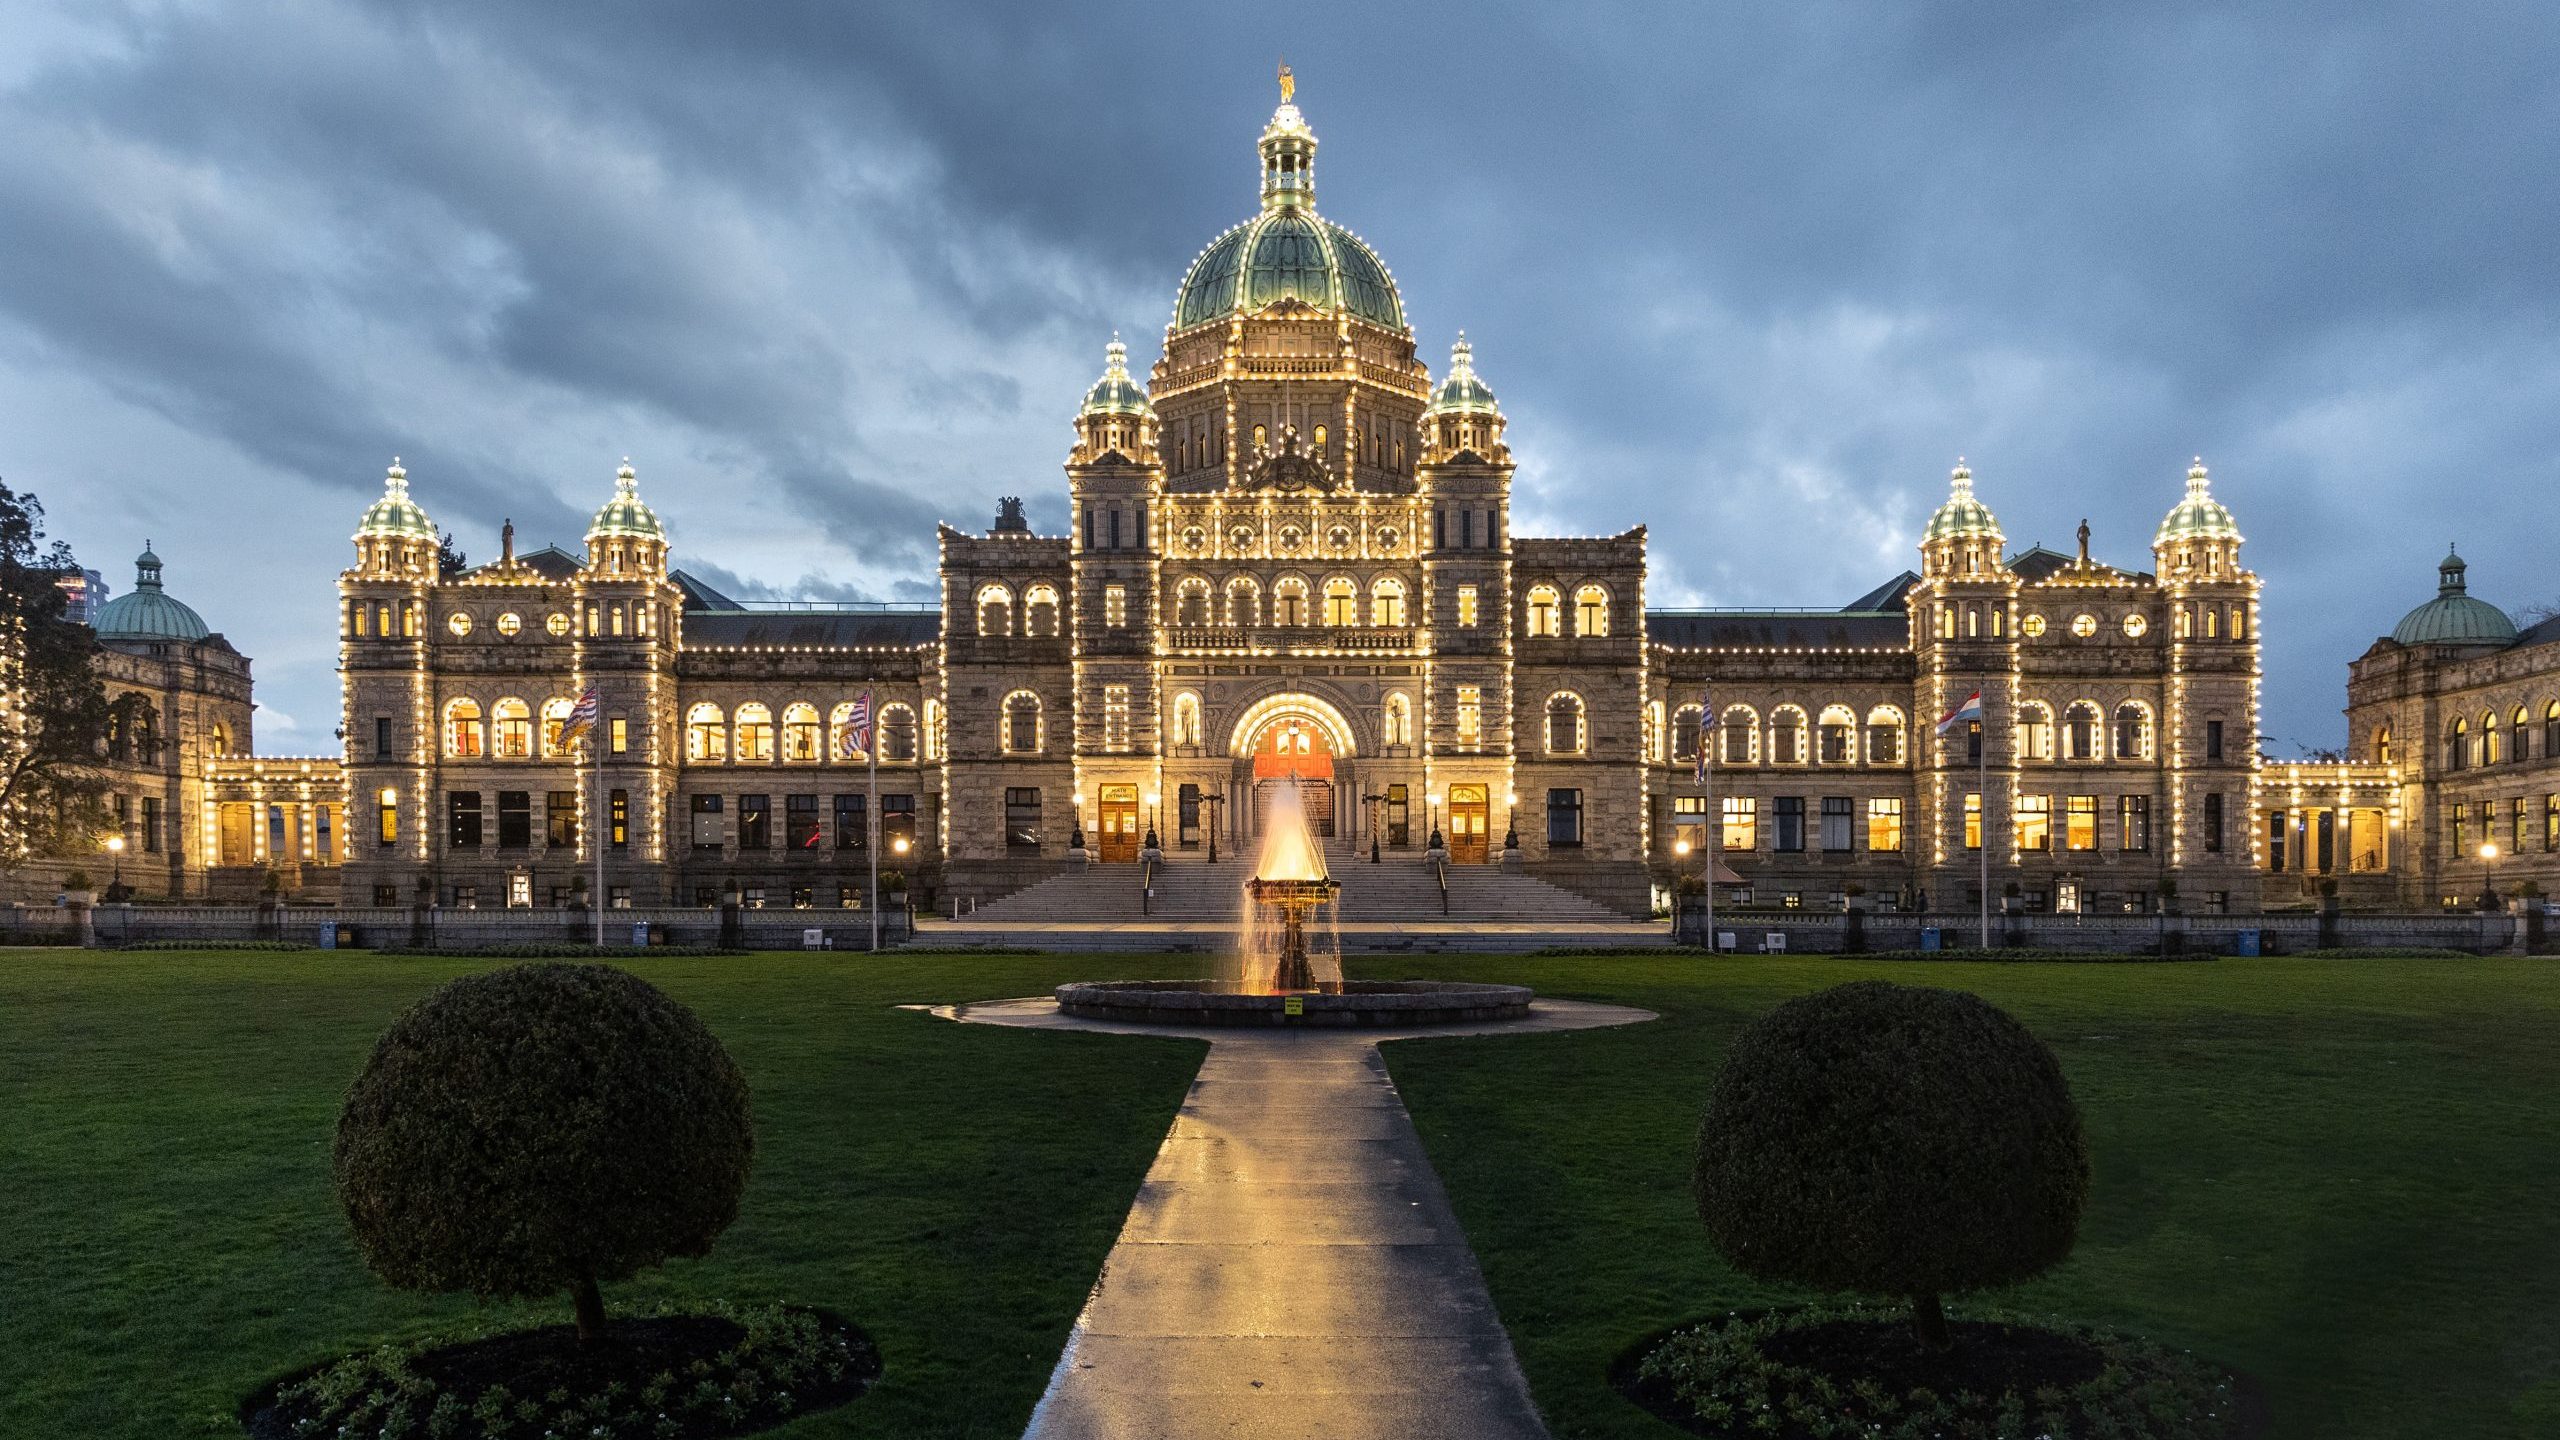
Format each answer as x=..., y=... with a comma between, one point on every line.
x=1706, y=729
x=582, y=717
x=1971, y=709
x=855, y=739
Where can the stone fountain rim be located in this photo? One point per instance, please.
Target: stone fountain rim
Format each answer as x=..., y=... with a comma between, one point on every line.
x=1361, y=1001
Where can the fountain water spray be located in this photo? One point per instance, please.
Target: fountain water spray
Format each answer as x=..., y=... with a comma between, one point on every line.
x=1288, y=881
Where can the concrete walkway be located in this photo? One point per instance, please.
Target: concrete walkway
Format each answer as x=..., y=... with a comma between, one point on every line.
x=1431, y=935
x=1291, y=1267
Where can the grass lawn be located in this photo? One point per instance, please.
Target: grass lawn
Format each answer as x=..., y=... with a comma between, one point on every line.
x=2342, y=1176
x=168, y=1237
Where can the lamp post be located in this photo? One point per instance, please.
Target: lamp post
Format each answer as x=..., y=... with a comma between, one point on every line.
x=115, y=847
x=1213, y=801
x=1679, y=884
x=1371, y=803
x=2488, y=891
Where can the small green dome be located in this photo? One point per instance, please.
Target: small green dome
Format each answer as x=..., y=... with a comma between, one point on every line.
x=2199, y=516
x=2454, y=617
x=1962, y=517
x=1115, y=393
x=1288, y=252
x=395, y=516
x=1460, y=391
x=148, y=613
x=626, y=514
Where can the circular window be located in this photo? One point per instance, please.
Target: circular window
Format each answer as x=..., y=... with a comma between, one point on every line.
x=2135, y=625
x=1195, y=539
x=459, y=622
x=1387, y=538
x=2084, y=625
x=1339, y=539
x=1289, y=538
x=1241, y=537
x=2032, y=625
x=558, y=624
x=510, y=623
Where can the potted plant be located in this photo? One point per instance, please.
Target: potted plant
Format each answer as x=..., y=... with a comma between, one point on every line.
x=79, y=889
x=893, y=882
x=578, y=892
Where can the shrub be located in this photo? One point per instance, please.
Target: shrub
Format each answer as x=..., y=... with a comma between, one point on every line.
x=538, y=1129
x=77, y=880
x=1891, y=1140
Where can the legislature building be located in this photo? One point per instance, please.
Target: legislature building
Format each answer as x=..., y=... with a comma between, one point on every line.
x=1291, y=559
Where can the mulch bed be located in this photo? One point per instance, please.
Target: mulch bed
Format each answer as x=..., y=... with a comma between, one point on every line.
x=532, y=1364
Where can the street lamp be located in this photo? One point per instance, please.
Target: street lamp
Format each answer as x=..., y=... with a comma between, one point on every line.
x=2488, y=891
x=115, y=847
x=1679, y=880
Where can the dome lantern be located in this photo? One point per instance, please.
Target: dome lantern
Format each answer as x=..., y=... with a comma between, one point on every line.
x=626, y=537
x=1288, y=253
x=1116, y=417
x=1463, y=415
x=2198, y=534
x=1963, y=538
x=395, y=535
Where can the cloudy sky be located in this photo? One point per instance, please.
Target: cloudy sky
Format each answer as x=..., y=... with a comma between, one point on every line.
x=828, y=272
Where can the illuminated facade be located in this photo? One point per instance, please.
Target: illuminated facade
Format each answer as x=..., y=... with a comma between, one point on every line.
x=1290, y=557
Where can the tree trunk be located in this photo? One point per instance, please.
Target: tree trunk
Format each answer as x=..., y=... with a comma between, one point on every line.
x=590, y=1309
x=1929, y=1324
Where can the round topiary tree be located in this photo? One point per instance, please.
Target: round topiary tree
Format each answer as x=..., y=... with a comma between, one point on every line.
x=538, y=1129
x=1892, y=1140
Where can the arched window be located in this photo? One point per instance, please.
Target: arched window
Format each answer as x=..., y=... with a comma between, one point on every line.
x=513, y=721
x=2382, y=744
x=1341, y=601
x=800, y=732
x=1186, y=719
x=222, y=736
x=898, y=735
x=1191, y=601
x=2457, y=745
x=1261, y=437
x=2550, y=730
x=2080, y=731
x=1398, y=721
x=1545, y=611
x=1386, y=602
x=1021, y=723
x=755, y=732
x=1564, y=723
x=1786, y=736
x=1244, y=601
x=1741, y=726
x=706, y=734
x=555, y=718
x=1321, y=434
x=1040, y=611
x=2520, y=749
x=2490, y=749
x=1591, y=611
x=995, y=611
x=1884, y=735
x=841, y=741
x=2183, y=622
x=464, y=739
x=2133, y=731
x=1685, y=723
x=2035, y=731
x=1838, y=739
x=2212, y=623
x=1289, y=601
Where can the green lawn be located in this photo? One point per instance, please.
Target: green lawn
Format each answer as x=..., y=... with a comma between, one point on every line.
x=168, y=1237
x=2342, y=1176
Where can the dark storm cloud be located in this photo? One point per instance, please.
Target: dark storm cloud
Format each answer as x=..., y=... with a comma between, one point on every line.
x=1753, y=277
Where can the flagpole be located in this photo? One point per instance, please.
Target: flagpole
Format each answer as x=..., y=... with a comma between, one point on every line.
x=1715, y=828
x=871, y=822
x=1982, y=782
x=596, y=832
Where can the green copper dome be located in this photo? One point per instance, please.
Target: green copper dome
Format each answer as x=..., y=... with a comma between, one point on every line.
x=395, y=515
x=1962, y=517
x=2453, y=617
x=2199, y=516
x=626, y=514
x=1115, y=393
x=1288, y=252
x=149, y=613
x=1460, y=391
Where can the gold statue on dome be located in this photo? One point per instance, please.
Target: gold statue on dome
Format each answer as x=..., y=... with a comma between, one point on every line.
x=1288, y=84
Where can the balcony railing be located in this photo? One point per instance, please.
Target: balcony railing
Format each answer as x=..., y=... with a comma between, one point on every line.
x=1289, y=638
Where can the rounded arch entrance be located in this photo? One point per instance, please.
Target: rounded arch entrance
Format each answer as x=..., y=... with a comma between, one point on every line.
x=1294, y=738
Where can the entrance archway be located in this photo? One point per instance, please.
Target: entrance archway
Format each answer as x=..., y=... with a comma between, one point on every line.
x=1293, y=739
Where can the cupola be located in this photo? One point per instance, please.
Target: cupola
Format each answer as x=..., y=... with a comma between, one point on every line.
x=149, y=613
x=1963, y=540
x=2198, y=539
x=1462, y=416
x=626, y=538
x=2454, y=617
x=1116, y=417
x=395, y=537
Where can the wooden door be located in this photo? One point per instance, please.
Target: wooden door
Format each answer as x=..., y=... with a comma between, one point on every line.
x=1119, y=822
x=1467, y=812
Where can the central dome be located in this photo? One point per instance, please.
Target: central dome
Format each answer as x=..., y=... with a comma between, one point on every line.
x=1288, y=252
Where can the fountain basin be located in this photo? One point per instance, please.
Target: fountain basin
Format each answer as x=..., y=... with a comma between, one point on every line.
x=1359, y=1003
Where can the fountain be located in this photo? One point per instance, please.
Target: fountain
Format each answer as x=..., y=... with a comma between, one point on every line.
x=1277, y=977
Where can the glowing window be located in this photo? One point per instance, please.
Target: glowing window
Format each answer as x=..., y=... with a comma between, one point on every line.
x=706, y=734
x=1466, y=607
x=2084, y=625
x=2136, y=626
x=800, y=732
x=1386, y=602
x=459, y=622
x=1591, y=611
x=755, y=732
x=555, y=718
x=557, y=623
x=509, y=623
x=1341, y=601
x=464, y=736
x=1545, y=613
